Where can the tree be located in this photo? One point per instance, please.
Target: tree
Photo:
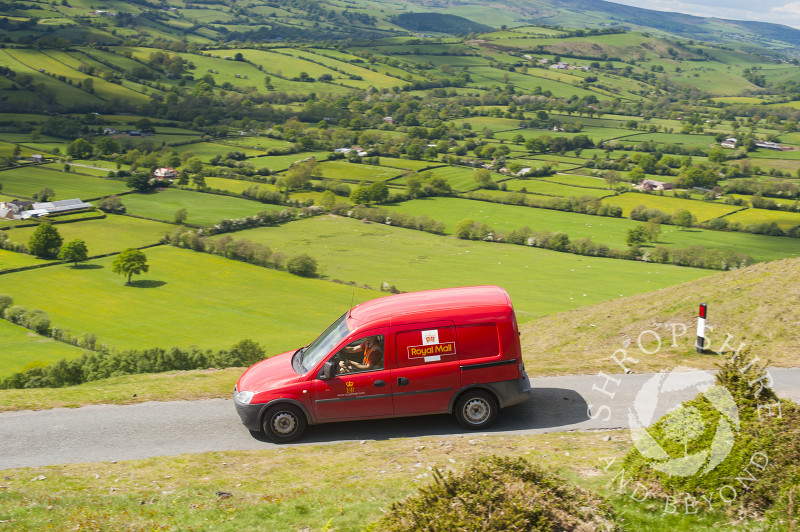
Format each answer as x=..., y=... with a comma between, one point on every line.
x=80, y=149
x=303, y=265
x=45, y=241
x=111, y=204
x=199, y=181
x=637, y=236
x=46, y=194
x=74, y=251
x=483, y=177
x=360, y=195
x=328, y=200
x=464, y=228
x=130, y=261
x=378, y=192
x=139, y=181
x=180, y=216
x=193, y=165
x=682, y=218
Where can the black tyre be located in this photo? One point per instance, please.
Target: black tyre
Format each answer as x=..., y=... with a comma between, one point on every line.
x=476, y=410
x=284, y=423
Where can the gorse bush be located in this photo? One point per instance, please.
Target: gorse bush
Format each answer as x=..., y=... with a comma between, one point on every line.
x=499, y=494
x=760, y=474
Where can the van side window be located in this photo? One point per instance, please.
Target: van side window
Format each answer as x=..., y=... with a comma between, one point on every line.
x=477, y=341
x=364, y=354
x=425, y=346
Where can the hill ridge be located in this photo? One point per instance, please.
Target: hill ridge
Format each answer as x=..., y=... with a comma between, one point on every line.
x=758, y=305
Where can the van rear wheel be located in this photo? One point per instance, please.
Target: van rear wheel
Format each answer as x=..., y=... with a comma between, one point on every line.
x=284, y=423
x=476, y=410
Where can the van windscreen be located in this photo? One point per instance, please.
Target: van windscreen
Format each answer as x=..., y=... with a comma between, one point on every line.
x=324, y=343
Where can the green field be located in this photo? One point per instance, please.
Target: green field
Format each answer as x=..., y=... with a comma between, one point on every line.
x=786, y=220
x=601, y=229
x=546, y=187
x=703, y=210
x=22, y=348
x=126, y=230
x=201, y=209
x=347, y=171
x=10, y=260
x=25, y=182
x=539, y=281
x=186, y=299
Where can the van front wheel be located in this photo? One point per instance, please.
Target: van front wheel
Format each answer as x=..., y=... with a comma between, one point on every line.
x=284, y=423
x=476, y=410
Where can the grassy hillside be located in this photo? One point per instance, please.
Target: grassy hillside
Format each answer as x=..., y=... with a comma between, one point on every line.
x=757, y=305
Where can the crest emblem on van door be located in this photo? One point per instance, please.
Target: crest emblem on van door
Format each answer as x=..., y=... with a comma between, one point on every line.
x=430, y=337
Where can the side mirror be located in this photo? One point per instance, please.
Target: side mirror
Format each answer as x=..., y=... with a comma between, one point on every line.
x=328, y=370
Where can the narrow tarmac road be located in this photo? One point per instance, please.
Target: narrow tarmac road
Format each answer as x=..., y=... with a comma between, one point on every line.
x=112, y=433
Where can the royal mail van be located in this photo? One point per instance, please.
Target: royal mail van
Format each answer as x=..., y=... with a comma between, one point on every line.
x=454, y=350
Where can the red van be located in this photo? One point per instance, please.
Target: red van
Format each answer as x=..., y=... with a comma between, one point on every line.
x=454, y=350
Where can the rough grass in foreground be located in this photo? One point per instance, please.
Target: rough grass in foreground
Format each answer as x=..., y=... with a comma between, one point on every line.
x=499, y=494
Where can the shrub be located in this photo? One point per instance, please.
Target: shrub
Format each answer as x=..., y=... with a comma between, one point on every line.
x=5, y=302
x=760, y=474
x=499, y=494
x=303, y=265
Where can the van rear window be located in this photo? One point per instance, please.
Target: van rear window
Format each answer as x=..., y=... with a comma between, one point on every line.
x=477, y=341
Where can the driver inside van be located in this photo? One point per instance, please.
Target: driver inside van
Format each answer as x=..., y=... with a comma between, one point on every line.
x=372, y=350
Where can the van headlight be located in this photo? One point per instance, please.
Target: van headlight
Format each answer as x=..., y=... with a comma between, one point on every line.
x=244, y=397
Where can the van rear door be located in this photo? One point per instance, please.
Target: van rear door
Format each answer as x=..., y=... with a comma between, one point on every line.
x=427, y=367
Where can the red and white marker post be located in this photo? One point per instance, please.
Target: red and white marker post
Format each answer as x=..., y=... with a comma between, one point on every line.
x=701, y=328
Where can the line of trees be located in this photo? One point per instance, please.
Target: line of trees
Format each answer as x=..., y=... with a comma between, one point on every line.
x=694, y=256
x=92, y=366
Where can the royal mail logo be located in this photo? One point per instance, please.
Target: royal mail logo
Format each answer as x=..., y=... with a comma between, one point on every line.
x=416, y=351
x=430, y=337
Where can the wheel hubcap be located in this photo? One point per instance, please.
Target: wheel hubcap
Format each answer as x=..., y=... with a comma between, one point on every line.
x=284, y=423
x=476, y=411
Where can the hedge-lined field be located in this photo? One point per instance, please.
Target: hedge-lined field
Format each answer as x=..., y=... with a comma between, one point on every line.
x=201, y=209
x=703, y=210
x=126, y=230
x=539, y=281
x=186, y=299
x=786, y=220
x=27, y=181
x=21, y=348
x=601, y=229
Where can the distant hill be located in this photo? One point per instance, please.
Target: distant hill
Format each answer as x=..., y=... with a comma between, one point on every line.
x=759, y=305
x=215, y=21
x=439, y=23
x=600, y=13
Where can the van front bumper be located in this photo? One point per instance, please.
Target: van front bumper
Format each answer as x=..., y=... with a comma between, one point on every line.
x=249, y=414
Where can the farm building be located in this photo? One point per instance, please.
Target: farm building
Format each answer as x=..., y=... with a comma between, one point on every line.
x=10, y=210
x=167, y=173
x=729, y=143
x=53, y=207
x=769, y=145
x=652, y=184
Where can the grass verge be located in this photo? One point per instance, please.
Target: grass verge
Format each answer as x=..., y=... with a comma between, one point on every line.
x=321, y=487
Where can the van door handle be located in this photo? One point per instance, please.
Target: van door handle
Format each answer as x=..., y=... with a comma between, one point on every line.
x=379, y=383
x=402, y=381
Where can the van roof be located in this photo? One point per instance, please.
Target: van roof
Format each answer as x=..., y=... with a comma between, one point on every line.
x=430, y=305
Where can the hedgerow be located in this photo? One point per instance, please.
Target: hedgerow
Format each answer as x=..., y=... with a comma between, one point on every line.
x=92, y=366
